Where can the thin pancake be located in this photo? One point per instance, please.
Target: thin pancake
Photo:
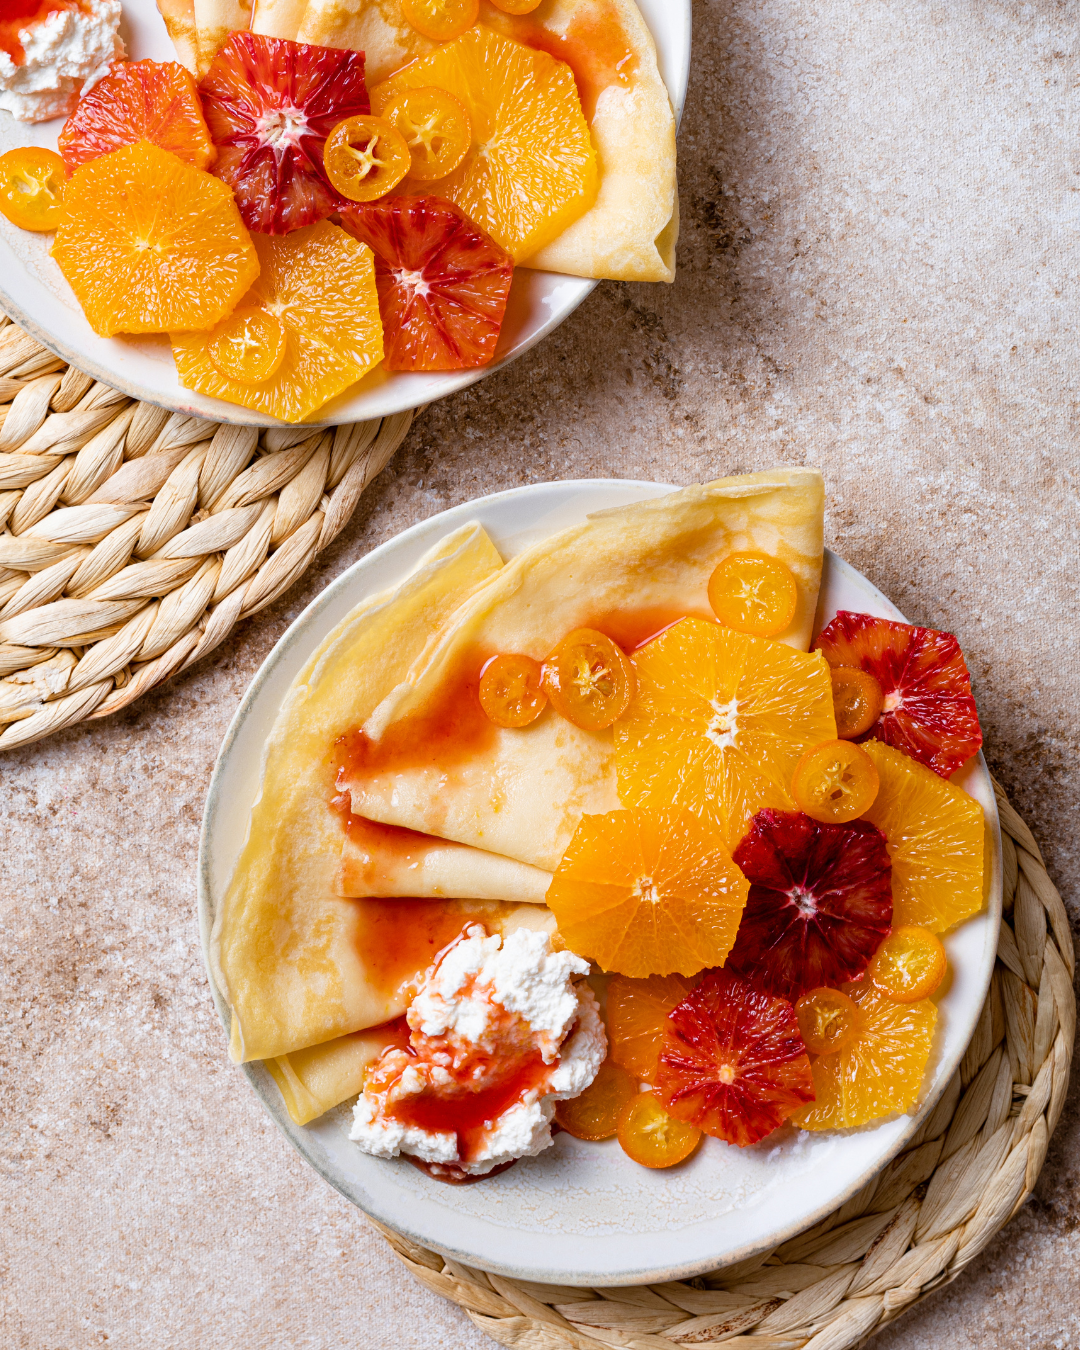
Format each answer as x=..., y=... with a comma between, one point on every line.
x=179, y=16
x=216, y=20
x=629, y=233
x=429, y=760
x=381, y=860
x=289, y=951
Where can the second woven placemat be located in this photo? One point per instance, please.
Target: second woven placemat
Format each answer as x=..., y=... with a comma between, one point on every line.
x=133, y=540
x=911, y=1229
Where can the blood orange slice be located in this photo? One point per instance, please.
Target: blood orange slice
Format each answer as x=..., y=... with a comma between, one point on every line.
x=139, y=100
x=820, y=901
x=443, y=283
x=928, y=711
x=733, y=1062
x=270, y=105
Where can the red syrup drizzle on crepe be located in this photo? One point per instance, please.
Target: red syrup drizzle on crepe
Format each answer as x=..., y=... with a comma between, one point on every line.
x=595, y=46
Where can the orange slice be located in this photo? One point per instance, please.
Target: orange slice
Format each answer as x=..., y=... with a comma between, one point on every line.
x=636, y=1016
x=935, y=836
x=531, y=168
x=139, y=100
x=879, y=1071
x=318, y=283
x=648, y=894
x=149, y=244
x=595, y=1113
x=718, y=724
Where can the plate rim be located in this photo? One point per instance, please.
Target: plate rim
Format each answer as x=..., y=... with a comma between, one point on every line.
x=263, y=1084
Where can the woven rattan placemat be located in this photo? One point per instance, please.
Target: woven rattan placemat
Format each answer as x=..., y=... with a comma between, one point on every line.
x=909, y=1231
x=133, y=540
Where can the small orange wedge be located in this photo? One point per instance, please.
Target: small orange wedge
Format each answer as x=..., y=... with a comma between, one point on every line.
x=648, y=893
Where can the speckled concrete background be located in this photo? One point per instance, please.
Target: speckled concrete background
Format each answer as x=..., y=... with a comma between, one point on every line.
x=877, y=276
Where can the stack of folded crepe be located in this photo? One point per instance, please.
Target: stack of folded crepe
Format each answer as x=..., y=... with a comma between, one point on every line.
x=630, y=231
x=385, y=785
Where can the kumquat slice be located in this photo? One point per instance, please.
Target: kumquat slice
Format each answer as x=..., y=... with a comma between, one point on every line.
x=754, y=594
x=440, y=20
x=589, y=679
x=510, y=690
x=652, y=1137
x=835, y=782
x=32, y=187
x=436, y=129
x=248, y=346
x=857, y=701
x=365, y=158
x=595, y=1113
x=828, y=1020
x=909, y=964
x=516, y=6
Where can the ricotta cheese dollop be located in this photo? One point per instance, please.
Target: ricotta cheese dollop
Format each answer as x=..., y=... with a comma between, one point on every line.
x=499, y=1032
x=57, y=57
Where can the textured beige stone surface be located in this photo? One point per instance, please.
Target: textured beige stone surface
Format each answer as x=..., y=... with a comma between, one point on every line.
x=877, y=276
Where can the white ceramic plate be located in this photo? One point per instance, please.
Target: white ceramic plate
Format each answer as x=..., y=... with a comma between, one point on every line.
x=583, y=1213
x=33, y=291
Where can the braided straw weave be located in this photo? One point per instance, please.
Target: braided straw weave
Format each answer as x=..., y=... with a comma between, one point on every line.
x=132, y=539
x=911, y=1229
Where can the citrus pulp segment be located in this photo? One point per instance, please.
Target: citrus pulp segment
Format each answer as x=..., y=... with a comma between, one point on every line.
x=828, y=1020
x=820, y=902
x=32, y=185
x=139, y=100
x=531, y=169
x=935, y=836
x=753, y=593
x=436, y=129
x=835, y=781
x=636, y=1014
x=732, y=1061
x=652, y=1136
x=719, y=721
x=365, y=158
x=857, y=701
x=443, y=283
x=149, y=244
x=270, y=105
x=909, y=964
x=880, y=1071
x=319, y=284
x=647, y=893
x=927, y=711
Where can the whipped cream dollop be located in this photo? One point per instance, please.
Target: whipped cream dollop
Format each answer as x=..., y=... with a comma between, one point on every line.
x=63, y=55
x=500, y=1030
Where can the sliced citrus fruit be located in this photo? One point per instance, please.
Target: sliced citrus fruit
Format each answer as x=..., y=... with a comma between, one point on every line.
x=828, y=1020
x=319, y=285
x=719, y=722
x=139, y=100
x=934, y=831
x=834, y=781
x=365, y=158
x=436, y=129
x=651, y=1136
x=531, y=169
x=909, y=964
x=636, y=1015
x=440, y=20
x=647, y=894
x=857, y=701
x=248, y=346
x=589, y=679
x=270, y=105
x=516, y=6
x=32, y=185
x=927, y=708
x=733, y=1062
x=820, y=902
x=753, y=593
x=879, y=1071
x=443, y=283
x=149, y=244
x=595, y=1113
x=510, y=691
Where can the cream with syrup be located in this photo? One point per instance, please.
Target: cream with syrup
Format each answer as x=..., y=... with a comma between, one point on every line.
x=499, y=1032
x=51, y=51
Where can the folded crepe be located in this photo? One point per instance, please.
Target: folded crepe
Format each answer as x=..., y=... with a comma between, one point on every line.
x=384, y=860
x=215, y=21
x=298, y=963
x=629, y=233
x=429, y=760
x=179, y=16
